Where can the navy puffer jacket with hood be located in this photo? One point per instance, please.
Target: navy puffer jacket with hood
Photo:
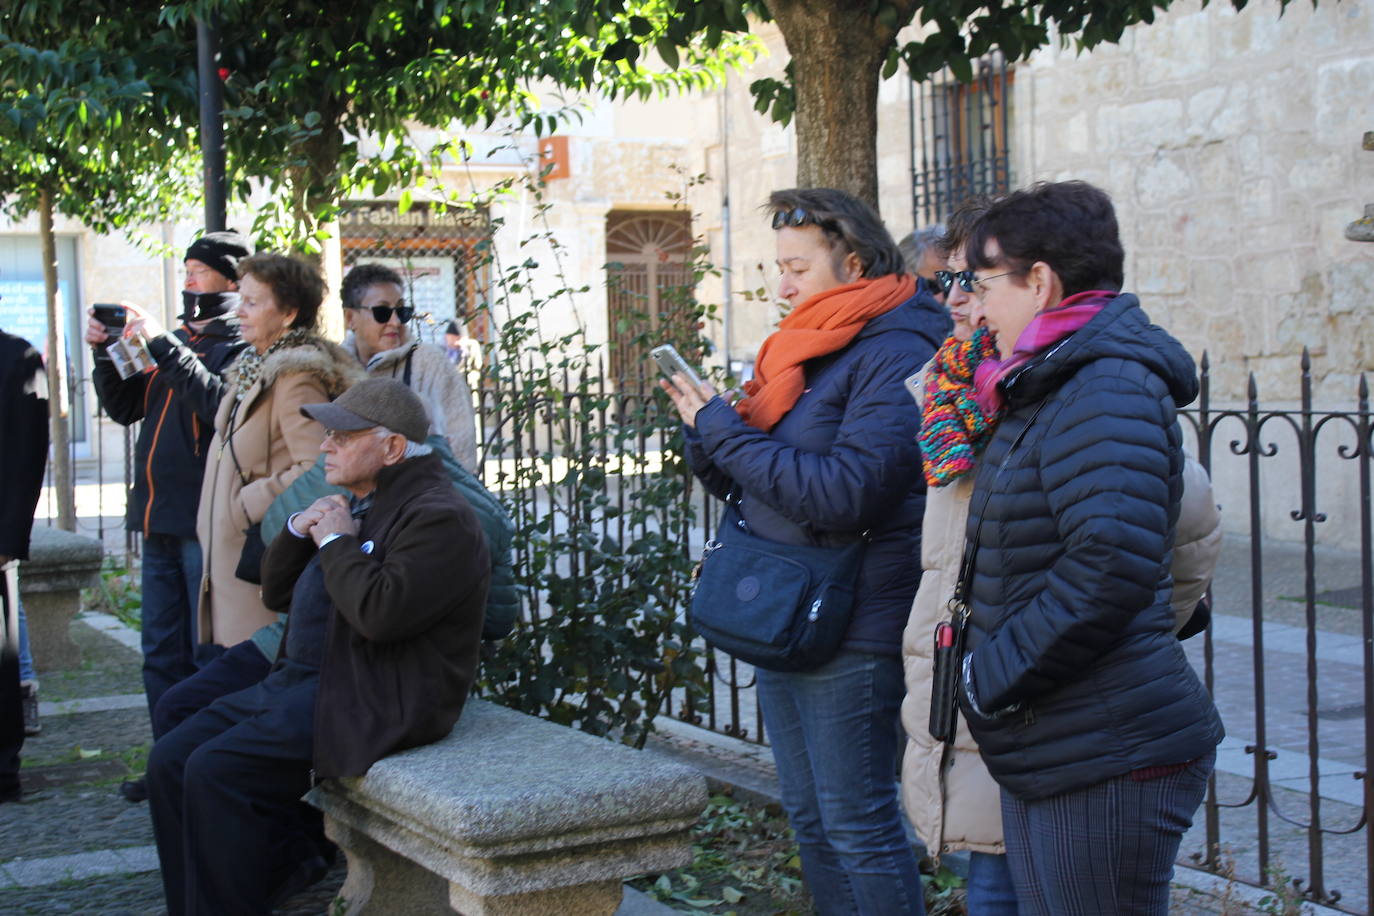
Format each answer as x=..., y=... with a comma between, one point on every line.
x=842, y=461
x=1073, y=657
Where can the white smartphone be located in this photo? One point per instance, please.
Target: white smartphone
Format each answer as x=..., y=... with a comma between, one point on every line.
x=670, y=363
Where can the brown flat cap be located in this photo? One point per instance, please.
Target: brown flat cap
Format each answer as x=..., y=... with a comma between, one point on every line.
x=375, y=402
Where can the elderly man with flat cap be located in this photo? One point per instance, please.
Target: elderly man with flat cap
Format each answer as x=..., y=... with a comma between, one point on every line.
x=169, y=458
x=384, y=594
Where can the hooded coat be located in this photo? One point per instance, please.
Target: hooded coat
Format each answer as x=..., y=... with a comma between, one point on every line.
x=950, y=799
x=842, y=461
x=1073, y=675
x=427, y=371
x=261, y=443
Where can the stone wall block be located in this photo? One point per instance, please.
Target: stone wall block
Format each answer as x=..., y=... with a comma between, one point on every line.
x=1212, y=286
x=1352, y=287
x=1345, y=98
x=1163, y=180
x=1156, y=124
x=1258, y=200
x=1161, y=275
x=1174, y=49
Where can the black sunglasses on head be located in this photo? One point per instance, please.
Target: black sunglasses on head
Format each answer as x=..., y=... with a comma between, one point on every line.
x=382, y=313
x=797, y=216
x=947, y=278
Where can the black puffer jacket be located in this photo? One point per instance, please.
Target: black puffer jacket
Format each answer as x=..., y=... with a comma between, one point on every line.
x=1073, y=657
x=169, y=457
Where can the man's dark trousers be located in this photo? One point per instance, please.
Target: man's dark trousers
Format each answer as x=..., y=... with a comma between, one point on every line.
x=221, y=784
x=236, y=668
x=171, y=586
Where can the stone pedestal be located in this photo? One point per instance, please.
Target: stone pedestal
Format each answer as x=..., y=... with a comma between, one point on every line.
x=59, y=566
x=509, y=816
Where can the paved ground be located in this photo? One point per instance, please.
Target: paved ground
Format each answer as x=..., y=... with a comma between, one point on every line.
x=74, y=846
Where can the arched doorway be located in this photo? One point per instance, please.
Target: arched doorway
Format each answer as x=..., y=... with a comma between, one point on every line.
x=647, y=275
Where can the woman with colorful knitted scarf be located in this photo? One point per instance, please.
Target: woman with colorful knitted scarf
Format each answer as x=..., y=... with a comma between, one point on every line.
x=822, y=452
x=950, y=800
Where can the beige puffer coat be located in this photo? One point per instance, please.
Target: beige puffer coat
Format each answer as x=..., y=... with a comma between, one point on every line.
x=968, y=814
x=274, y=444
x=439, y=384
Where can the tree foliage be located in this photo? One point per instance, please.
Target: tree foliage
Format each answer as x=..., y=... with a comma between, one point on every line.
x=840, y=48
x=323, y=100
x=90, y=115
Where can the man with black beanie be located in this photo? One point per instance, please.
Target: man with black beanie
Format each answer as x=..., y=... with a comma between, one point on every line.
x=169, y=458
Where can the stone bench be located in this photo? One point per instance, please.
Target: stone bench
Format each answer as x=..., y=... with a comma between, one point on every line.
x=59, y=566
x=509, y=816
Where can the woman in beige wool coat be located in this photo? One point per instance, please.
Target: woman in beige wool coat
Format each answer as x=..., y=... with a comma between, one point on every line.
x=961, y=810
x=262, y=441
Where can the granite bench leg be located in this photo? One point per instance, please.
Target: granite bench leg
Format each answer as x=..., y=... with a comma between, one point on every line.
x=375, y=873
x=381, y=881
x=59, y=566
x=50, y=616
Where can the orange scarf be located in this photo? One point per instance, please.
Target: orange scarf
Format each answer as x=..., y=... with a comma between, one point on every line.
x=823, y=324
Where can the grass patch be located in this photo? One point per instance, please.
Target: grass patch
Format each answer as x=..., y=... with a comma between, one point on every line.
x=119, y=593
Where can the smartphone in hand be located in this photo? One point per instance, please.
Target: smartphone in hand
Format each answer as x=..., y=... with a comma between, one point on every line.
x=113, y=316
x=670, y=363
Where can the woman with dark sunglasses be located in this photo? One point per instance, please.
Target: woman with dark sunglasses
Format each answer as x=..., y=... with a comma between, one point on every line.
x=822, y=451
x=377, y=316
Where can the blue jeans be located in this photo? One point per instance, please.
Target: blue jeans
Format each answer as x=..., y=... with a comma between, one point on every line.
x=834, y=737
x=990, y=888
x=26, y=672
x=171, y=589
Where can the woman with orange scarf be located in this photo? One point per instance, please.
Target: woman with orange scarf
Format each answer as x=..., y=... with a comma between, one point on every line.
x=822, y=451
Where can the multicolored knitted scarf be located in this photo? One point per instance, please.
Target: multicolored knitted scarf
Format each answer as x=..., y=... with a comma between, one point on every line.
x=954, y=428
x=250, y=363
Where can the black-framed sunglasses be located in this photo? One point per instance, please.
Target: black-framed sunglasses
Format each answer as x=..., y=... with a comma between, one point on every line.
x=797, y=216
x=382, y=313
x=947, y=278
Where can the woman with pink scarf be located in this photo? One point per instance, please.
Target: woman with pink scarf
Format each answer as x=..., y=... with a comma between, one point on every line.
x=1083, y=706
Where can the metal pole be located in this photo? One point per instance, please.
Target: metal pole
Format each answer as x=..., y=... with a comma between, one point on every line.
x=211, y=124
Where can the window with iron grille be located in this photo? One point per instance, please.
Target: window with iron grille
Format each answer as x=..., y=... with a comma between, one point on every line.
x=647, y=264
x=960, y=135
x=439, y=252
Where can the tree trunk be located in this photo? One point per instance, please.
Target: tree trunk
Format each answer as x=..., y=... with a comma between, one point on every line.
x=62, y=482
x=838, y=48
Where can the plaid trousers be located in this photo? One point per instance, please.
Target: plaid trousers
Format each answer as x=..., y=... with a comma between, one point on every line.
x=1105, y=849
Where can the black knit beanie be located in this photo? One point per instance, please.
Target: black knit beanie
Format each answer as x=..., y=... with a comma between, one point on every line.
x=220, y=251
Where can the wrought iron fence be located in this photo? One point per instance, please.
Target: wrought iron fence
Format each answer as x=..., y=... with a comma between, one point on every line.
x=1293, y=673
x=1303, y=721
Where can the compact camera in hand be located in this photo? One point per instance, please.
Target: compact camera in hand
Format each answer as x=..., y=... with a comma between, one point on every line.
x=129, y=355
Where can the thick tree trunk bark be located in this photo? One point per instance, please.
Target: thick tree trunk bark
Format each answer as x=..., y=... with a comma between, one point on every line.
x=62, y=481
x=837, y=49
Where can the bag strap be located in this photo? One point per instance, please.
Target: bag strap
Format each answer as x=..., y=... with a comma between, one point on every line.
x=734, y=499
x=229, y=441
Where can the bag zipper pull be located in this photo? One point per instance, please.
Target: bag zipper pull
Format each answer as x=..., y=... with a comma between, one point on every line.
x=815, y=613
x=711, y=547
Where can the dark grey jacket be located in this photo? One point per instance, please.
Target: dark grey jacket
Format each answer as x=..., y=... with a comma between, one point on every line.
x=1073, y=655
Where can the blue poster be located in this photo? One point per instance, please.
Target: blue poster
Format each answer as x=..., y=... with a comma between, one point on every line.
x=22, y=312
